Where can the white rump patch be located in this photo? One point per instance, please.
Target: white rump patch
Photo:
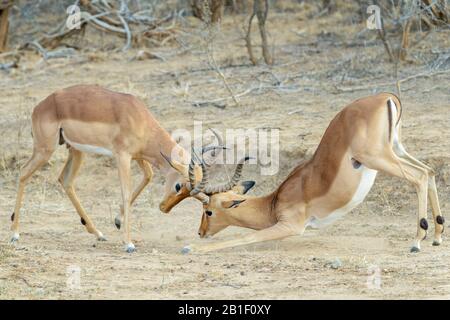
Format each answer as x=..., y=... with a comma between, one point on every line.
x=88, y=148
x=399, y=149
x=365, y=184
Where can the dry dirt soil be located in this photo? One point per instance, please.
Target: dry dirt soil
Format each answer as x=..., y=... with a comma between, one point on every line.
x=322, y=63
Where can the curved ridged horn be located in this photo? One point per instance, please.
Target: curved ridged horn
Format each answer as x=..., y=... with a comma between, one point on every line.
x=196, y=188
x=234, y=180
x=210, y=158
x=191, y=170
x=201, y=185
x=219, y=141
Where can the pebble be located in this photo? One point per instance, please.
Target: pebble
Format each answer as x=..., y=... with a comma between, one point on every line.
x=335, y=264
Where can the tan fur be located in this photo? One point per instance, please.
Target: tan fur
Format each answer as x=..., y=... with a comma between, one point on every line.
x=328, y=181
x=94, y=118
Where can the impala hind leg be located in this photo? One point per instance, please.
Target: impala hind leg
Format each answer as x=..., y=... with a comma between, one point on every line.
x=67, y=178
x=148, y=174
x=37, y=160
x=399, y=167
x=124, y=166
x=432, y=192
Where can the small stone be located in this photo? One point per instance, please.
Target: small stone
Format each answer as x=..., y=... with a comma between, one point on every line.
x=40, y=291
x=206, y=263
x=154, y=251
x=178, y=238
x=335, y=264
x=242, y=273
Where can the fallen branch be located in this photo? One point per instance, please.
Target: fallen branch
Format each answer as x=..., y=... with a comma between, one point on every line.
x=47, y=55
x=243, y=93
x=14, y=53
x=101, y=15
x=145, y=54
x=127, y=31
x=396, y=83
x=8, y=65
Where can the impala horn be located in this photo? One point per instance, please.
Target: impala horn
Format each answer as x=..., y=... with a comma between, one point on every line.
x=200, y=187
x=197, y=188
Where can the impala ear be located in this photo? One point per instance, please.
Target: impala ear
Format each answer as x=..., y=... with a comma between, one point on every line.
x=243, y=187
x=231, y=203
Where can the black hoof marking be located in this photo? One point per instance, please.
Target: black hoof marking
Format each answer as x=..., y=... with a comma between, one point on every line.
x=414, y=249
x=117, y=223
x=356, y=163
x=83, y=222
x=440, y=220
x=12, y=216
x=424, y=224
x=436, y=243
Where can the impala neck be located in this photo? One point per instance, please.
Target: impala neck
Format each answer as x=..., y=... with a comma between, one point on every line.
x=168, y=146
x=261, y=212
x=254, y=213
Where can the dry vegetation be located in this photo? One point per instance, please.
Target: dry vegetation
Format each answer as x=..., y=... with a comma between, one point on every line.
x=324, y=57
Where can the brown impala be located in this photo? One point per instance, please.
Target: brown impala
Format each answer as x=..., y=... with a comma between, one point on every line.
x=361, y=140
x=92, y=119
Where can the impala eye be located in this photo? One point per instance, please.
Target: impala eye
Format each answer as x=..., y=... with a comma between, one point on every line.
x=177, y=187
x=209, y=213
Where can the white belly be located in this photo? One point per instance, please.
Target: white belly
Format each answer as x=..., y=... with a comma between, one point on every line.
x=367, y=179
x=88, y=148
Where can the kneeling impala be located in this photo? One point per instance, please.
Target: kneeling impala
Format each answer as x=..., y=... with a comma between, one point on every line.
x=88, y=118
x=361, y=140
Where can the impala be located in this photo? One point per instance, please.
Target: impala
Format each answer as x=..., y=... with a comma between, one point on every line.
x=361, y=140
x=89, y=118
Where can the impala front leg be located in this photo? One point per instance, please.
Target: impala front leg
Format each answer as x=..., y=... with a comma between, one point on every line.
x=148, y=174
x=278, y=231
x=124, y=165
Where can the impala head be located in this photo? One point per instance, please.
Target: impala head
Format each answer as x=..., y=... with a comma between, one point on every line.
x=218, y=200
x=177, y=187
x=219, y=213
x=185, y=181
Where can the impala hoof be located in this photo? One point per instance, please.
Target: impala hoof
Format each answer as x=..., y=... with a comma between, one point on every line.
x=14, y=238
x=130, y=248
x=102, y=238
x=414, y=250
x=186, y=250
x=118, y=223
x=437, y=243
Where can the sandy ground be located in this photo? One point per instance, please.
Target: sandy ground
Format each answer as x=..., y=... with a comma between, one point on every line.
x=327, y=55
